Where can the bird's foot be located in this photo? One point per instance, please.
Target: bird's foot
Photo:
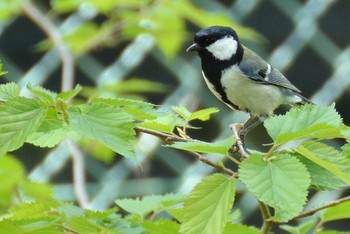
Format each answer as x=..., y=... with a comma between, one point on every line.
x=238, y=134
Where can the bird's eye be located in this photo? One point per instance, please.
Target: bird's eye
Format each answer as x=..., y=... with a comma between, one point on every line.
x=209, y=40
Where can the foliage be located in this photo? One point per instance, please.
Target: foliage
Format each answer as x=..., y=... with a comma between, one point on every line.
x=100, y=118
x=49, y=118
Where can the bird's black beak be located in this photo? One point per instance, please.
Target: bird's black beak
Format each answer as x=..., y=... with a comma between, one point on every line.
x=194, y=47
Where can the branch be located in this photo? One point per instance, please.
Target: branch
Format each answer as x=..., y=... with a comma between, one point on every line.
x=174, y=138
x=78, y=175
x=266, y=215
x=330, y=204
x=53, y=33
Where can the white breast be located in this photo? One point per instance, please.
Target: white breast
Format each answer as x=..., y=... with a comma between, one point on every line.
x=248, y=95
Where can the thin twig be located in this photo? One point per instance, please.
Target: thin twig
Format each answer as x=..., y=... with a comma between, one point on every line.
x=210, y=163
x=174, y=138
x=78, y=175
x=266, y=215
x=53, y=33
x=330, y=204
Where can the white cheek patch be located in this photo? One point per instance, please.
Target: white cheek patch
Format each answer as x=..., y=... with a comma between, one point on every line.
x=223, y=49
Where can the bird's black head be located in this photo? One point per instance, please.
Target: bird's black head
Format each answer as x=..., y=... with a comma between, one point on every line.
x=221, y=43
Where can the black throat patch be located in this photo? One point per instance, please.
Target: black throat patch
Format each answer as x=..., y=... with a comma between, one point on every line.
x=213, y=68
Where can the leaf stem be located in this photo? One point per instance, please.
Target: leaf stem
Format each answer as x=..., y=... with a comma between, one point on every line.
x=330, y=204
x=266, y=215
x=174, y=138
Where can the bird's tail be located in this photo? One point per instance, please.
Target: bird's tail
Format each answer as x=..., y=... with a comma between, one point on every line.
x=304, y=100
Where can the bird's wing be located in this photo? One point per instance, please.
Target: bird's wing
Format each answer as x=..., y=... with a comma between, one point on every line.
x=254, y=67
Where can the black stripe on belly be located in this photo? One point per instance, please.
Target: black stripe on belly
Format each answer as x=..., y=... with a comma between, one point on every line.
x=220, y=90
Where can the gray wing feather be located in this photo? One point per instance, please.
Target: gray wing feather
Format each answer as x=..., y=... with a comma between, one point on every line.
x=254, y=67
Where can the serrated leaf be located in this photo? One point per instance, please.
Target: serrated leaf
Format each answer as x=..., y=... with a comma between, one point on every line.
x=83, y=225
x=105, y=123
x=43, y=94
x=37, y=209
x=161, y=226
x=309, y=121
x=203, y=114
x=149, y=204
x=281, y=183
x=319, y=154
x=165, y=123
x=346, y=151
x=220, y=147
x=321, y=177
x=182, y=111
x=8, y=91
x=239, y=228
x=19, y=117
x=49, y=134
x=208, y=206
x=67, y=95
x=340, y=211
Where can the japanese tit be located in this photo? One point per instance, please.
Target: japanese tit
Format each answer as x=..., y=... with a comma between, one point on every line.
x=240, y=78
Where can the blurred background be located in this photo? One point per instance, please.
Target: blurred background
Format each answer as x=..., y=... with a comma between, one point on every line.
x=137, y=49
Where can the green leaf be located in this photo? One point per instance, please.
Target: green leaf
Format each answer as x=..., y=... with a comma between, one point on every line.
x=149, y=204
x=322, y=154
x=9, y=8
x=302, y=228
x=309, y=121
x=281, y=183
x=121, y=102
x=19, y=117
x=11, y=174
x=165, y=123
x=220, y=147
x=161, y=226
x=136, y=85
x=50, y=133
x=106, y=124
x=239, y=228
x=83, y=225
x=208, y=206
x=346, y=151
x=37, y=209
x=176, y=212
x=67, y=95
x=340, y=211
x=203, y=114
x=183, y=112
x=321, y=177
x=37, y=190
x=331, y=232
x=98, y=150
x=8, y=91
x=43, y=94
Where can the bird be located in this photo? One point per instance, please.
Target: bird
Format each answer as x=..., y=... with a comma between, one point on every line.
x=240, y=78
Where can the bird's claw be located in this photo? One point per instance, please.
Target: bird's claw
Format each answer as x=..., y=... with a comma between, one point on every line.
x=238, y=133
